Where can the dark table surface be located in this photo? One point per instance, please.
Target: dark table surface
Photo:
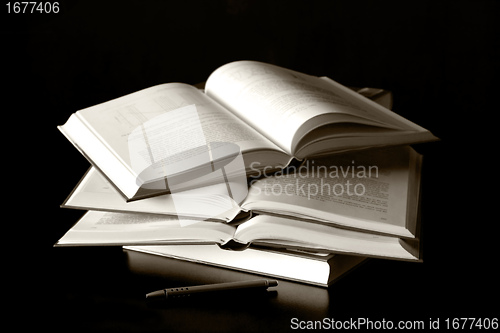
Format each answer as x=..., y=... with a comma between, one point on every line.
x=103, y=289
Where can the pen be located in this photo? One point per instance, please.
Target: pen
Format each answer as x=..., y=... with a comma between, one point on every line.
x=209, y=289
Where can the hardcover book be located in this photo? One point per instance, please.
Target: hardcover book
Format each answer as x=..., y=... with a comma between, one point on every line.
x=312, y=268
x=153, y=140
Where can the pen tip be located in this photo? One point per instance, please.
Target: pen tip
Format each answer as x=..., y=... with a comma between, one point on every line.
x=273, y=283
x=155, y=295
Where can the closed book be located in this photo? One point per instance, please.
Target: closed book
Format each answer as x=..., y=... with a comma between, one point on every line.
x=306, y=267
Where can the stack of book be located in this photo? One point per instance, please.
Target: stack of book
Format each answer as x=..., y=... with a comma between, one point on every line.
x=266, y=170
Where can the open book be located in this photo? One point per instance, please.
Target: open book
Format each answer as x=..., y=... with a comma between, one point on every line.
x=312, y=208
x=270, y=115
x=99, y=228
x=376, y=190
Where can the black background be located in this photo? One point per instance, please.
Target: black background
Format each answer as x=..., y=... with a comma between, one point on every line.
x=440, y=59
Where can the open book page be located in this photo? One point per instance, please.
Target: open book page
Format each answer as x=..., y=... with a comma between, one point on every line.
x=285, y=105
x=377, y=109
x=106, y=228
x=116, y=123
x=289, y=233
x=94, y=192
x=366, y=190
